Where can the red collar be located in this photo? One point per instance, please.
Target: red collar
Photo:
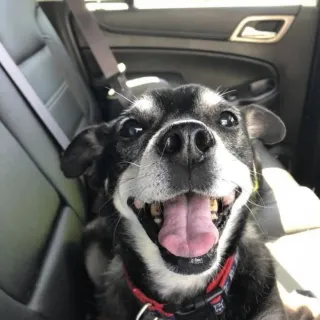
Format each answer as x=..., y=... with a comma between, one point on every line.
x=215, y=291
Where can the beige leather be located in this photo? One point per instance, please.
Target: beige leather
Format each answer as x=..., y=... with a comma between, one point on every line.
x=297, y=259
x=299, y=207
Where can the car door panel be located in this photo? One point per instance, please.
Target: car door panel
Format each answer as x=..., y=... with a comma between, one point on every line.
x=193, y=45
x=195, y=58
x=230, y=73
x=204, y=23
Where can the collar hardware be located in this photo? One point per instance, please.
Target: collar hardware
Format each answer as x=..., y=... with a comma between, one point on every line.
x=209, y=306
x=202, y=307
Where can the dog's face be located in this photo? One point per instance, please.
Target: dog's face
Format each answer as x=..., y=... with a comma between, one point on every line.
x=179, y=166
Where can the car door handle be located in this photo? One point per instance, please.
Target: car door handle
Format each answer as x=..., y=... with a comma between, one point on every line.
x=252, y=33
x=248, y=29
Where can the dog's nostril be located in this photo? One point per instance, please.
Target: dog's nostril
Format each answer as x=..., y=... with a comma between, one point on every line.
x=172, y=143
x=203, y=140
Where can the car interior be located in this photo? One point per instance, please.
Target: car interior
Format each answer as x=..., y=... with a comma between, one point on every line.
x=263, y=53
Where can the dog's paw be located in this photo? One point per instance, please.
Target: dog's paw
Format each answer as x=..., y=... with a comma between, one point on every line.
x=302, y=313
x=301, y=307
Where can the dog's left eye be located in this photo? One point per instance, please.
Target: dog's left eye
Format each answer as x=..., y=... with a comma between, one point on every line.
x=131, y=129
x=227, y=119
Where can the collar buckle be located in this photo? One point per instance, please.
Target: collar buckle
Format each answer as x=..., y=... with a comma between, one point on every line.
x=201, y=307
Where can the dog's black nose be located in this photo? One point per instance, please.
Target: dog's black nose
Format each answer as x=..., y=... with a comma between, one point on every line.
x=187, y=142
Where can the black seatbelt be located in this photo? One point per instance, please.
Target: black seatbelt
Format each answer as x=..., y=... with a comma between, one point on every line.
x=101, y=50
x=30, y=95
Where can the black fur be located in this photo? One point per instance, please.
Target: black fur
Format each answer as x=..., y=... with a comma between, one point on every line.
x=253, y=291
x=102, y=154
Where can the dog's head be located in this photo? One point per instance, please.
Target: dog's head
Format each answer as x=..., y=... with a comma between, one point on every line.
x=179, y=166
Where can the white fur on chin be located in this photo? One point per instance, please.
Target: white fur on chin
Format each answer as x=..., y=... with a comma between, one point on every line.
x=165, y=280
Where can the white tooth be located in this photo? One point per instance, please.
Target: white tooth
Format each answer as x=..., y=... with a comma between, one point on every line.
x=214, y=216
x=155, y=209
x=157, y=220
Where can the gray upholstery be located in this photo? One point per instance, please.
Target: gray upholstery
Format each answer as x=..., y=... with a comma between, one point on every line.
x=42, y=213
x=16, y=279
x=41, y=222
x=34, y=45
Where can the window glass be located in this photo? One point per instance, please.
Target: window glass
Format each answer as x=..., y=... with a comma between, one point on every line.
x=111, y=5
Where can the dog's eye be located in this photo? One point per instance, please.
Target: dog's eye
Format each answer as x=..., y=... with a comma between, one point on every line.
x=131, y=129
x=228, y=119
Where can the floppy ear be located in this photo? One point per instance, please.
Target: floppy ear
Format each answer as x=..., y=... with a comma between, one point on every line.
x=84, y=150
x=264, y=124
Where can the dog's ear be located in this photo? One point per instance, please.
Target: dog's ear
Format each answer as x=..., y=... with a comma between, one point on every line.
x=264, y=124
x=84, y=150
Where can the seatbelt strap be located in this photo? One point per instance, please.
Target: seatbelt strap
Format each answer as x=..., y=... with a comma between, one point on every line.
x=18, y=78
x=95, y=38
x=112, y=71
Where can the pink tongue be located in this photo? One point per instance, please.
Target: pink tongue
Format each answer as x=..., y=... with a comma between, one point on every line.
x=188, y=230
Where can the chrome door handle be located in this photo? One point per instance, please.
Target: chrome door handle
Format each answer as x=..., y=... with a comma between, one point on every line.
x=252, y=33
x=246, y=32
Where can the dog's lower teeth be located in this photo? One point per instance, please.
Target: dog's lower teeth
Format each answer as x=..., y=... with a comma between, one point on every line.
x=158, y=220
x=155, y=209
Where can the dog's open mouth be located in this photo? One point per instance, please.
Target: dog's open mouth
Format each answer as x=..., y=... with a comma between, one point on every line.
x=188, y=225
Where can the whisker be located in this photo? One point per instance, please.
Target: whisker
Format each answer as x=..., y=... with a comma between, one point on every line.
x=257, y=192
x=118, y=222
x=137, y=177
x=218, y=89
x=121, y=95
x=254, y=217
x=146, y=166
x=126, y=190
x=115, y=230
x=226, y=91
x=256, y=172
x=253, y=203
x=101, y=208
x=128, y=162
x=164, y=148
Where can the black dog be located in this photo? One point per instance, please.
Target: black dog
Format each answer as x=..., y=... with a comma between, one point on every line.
x=177, y=240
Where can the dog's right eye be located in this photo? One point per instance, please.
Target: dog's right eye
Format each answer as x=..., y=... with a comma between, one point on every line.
x=227, y=119
x=131, y=129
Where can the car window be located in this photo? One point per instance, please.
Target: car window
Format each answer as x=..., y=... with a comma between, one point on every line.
x=163, y=4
